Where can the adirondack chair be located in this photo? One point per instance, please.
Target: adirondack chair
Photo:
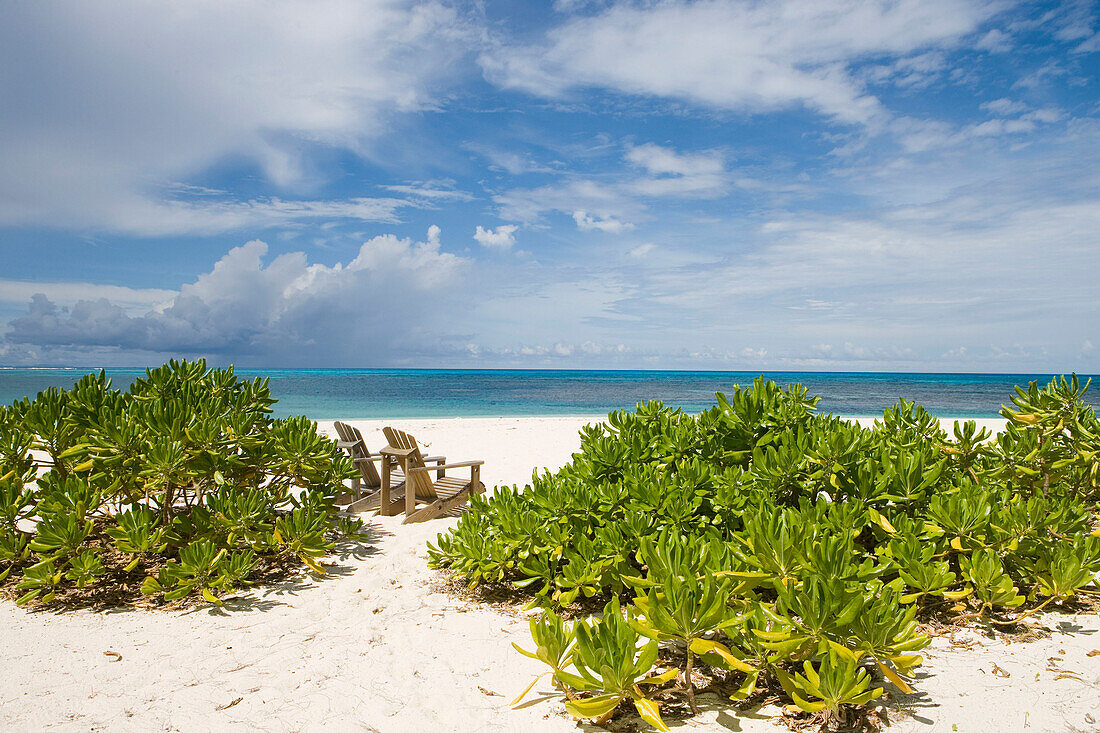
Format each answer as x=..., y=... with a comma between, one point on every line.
x=366, y=491
x=440, y=496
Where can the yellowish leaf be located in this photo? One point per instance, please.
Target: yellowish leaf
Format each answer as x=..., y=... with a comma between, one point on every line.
x=650, y=713
x=893, y=677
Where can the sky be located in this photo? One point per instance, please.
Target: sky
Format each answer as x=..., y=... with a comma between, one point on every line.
x=866, y=185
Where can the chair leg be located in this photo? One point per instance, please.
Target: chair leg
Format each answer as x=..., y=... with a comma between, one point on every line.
x=410, y=490
x=385, y=504
x=394, y=507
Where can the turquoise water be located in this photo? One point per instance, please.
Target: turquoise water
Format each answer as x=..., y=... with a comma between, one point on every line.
x=324, y=394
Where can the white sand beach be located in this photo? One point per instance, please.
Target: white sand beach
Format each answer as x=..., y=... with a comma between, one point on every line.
x=380, y=644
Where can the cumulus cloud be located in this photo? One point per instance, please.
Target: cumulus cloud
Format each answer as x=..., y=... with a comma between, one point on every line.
x=114, y=102
x=734, y=55
x=609, y=224
x=503, y=237
x=396, y=295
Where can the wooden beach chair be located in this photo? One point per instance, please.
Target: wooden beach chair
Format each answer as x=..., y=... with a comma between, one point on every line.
x=366, y=491
x=440, y=496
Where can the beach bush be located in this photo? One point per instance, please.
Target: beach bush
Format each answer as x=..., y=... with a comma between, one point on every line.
x=183, y=486
x=787, y=551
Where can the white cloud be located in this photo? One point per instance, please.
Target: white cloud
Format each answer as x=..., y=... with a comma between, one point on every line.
x=734, y=55
x=503, y=237
x=1092, y=45
x=115, y=101
x=68, y=293
x=609, y=224
x=673, y=173
x=1046, y=115
x=964, y=249
x=994, y=41
x=642, y=250
x=603, y=199
x=660, y=160
x=515, y=163
x=150, y=218
x=922, y=135
x=395, y=297
x=433, y=235
x=911, y=72
x=1004, y=106
x=608, y=204
x=435, y=191
x=1023, y=124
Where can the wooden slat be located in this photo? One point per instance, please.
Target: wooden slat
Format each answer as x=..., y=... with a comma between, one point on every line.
x=421, y=484
x=461, y=464
x=352, y=441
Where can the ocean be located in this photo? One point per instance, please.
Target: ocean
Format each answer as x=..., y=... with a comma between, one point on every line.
x=326, y=394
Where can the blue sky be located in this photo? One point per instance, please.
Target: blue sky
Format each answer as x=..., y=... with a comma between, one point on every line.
x=906, y=185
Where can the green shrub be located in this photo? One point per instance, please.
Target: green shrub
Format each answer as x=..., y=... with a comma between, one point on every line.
x=183, y=486
x=789, y=549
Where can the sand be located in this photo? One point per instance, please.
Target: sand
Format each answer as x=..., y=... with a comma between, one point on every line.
x=380, y=645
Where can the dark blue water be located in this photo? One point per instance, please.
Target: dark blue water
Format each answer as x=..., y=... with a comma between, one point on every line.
x=396, y=393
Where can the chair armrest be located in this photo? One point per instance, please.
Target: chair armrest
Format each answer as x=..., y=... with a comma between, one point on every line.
x=462, y=464
x=435, y=459
x=372, y=459
x=348, y=443
x=397, y=452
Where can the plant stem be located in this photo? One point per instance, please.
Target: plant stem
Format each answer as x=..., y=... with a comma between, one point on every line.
x=689, y=687
x=1022, y=616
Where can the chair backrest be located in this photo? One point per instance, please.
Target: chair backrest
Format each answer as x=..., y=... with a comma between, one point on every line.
x=358, y=450
x=419, y=480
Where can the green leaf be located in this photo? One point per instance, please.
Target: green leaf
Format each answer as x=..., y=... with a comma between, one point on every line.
x=577, y=682
x=524, y=652
x=660, y=679
x=593, y=707
x=957, y=595
x=748, y=686
x=704, y=646
x=801, y=703
x=880, y=520
x=178, y=593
